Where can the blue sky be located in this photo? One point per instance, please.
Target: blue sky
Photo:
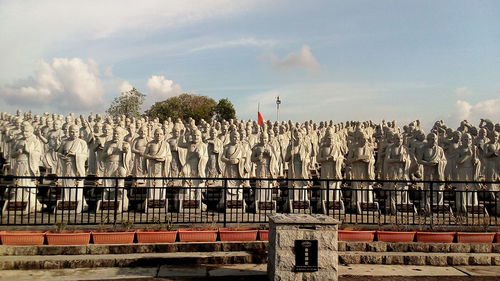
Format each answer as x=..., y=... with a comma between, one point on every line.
x=340, y=60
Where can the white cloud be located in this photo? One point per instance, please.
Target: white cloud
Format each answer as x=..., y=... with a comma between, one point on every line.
x=125, y=86
x=249, y=41
x=34, y=29
x=303, y=58
x=474, y=112
x=68, y=84
x=160, y=88
x=462, y=91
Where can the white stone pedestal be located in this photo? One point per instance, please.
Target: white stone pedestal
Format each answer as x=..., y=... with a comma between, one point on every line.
x=302, y=247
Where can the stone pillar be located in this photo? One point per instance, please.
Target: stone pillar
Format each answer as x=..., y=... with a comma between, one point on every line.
x=302, y=247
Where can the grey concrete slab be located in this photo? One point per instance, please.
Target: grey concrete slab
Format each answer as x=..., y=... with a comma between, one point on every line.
x=182, y=271
x=398, y=270
x=492, y=270
x=79, y=273
x=237, y=270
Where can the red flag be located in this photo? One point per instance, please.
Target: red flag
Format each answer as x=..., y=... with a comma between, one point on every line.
x=260, y=118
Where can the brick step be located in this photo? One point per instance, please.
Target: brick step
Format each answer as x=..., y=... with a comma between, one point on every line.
x=419, y=258
x=119, y=249
x=251, y=246
x=419, y=247
x=124, y=260
x=195, y=258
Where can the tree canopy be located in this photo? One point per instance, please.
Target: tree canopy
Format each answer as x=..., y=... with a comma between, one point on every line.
x=194, y=106
x=127, y=103
x=224, y=110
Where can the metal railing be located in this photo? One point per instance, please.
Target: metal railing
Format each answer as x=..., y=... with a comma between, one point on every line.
x=90, y=200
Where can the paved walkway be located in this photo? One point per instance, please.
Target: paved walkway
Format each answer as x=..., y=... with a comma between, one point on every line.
x=255, y=272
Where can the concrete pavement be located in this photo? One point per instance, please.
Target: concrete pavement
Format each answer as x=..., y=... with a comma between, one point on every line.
x=253, y=272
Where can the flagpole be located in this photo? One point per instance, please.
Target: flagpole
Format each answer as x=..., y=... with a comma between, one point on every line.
x=278, y=102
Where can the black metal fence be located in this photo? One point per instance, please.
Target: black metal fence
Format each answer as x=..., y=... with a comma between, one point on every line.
x=113, y=200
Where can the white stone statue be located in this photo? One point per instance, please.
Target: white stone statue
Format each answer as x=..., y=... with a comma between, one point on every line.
x=298, y=155
x=468, y=167
x=158, y=158
x=196, y=161
x=233, y=158
x=492, y=162
x=361, y=164
x=26, y=153
x=266, y=166
x=331, y=159
x=116, y=155
x=397, y=167
x=73, y=153
x=433, y=160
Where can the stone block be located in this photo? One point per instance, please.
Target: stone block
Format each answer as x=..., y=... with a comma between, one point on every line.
x=418, y=247
x=439, y=247
x=415, y=260
x=326, y=240
x=495, y=248
x=285, y=261
x=436, y=260
x=480, y=248
x=286, y=238
x=372, y=259
x=458, y=260
x=356, y=246
x=495, y=260
x=201, y=247
x=479, y=260
x=97, y=249
x=349, y=258
x=460, y=248
x=168, y=248
x=341, y=246
x=376, y=247
x=286, y=229
x=397, y=247
x=18, y=250
x=394, y=259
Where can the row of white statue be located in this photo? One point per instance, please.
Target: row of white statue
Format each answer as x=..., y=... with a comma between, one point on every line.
x=237, y=149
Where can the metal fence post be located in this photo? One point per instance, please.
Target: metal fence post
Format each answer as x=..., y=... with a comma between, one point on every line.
x=225, y=202
x=430, y=204
x=115, y=207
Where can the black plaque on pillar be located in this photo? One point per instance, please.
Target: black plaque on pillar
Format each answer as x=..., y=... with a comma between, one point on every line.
x=306, y=256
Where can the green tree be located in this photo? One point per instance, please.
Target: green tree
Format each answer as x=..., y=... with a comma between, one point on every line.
x=225, y=110
x=183, y=107
x=127, y=103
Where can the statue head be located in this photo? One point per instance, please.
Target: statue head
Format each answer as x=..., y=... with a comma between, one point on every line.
x=97, y=128
x=196, y=136
x=131, y=128
x=493, y=136
x=57, y=124
x=234, y=137
x=263, y=138
x=432, y=139
x=74, y=132
x=107, y=129
x=420, y=135
x=212, y=132
x=27, y=130
x=456, y=136
x=158, y=134
x=117, y=136
x=482, y=133
x=328, y=138
x=143, y=131
x=297, y=134
x=466, y=139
